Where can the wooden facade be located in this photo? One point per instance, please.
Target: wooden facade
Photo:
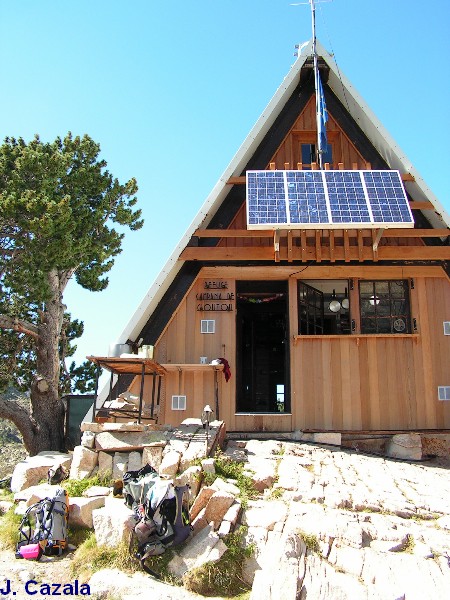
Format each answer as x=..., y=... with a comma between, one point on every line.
x=340, y=376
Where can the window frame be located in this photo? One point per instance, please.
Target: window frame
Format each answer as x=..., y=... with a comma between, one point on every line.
x=377, y=307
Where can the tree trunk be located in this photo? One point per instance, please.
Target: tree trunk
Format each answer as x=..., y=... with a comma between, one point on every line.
x=47, y=409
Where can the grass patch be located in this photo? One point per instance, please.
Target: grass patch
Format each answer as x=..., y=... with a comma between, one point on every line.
x=275, y=494
x=76, y=487
x=9, y=527
x=223, y=577
x=409, y=544
x=90, y=557
x=310, y=540
x=230, y=469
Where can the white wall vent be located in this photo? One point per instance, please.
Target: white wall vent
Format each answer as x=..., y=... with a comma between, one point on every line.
x=207, y=326
x=444, y=392
x=178, y=402
x=446, y=327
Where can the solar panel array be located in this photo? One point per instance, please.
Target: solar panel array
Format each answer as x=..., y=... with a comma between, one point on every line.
x=308, y=199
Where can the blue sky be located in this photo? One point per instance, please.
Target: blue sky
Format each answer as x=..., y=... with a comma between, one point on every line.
x=171, y=88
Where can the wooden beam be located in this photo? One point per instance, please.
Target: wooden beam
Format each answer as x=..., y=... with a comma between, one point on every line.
x=377, y=239
x=421, y=205
x=268, y=233
x=360, y=245
x=233, y=233
x=289, y=245
x=374, y=246
x=242, y=178
x=246, y=253
x=318, y=246
x=237, y=180
x=346, y=246
x=276, y=244
x=331, y=238
x=303, y=245
x=323, y=271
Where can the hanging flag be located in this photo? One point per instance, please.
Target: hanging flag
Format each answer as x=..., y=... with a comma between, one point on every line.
x=322, y=118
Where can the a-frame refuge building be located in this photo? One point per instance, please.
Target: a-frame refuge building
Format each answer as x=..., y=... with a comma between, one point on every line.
x=328, y=321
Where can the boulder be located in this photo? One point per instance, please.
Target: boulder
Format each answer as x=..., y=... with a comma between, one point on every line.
x=120, y=464
x=34, y=469
x=201, y=501
x=208, y=465
x=88, y=439
x=217, y=506
x=134, y=461
x=113, y=523
x=203, y=548
x=80, y=510
x=97, y=490
x=169, y=464
x=35, y=493
x=105, y=463
x=192, y=476
x=83, y=462
x=126, y=441
x=152, y=455
x=406, y=446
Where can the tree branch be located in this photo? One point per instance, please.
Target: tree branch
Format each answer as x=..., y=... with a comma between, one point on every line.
x=8, y=322
x=20, y=416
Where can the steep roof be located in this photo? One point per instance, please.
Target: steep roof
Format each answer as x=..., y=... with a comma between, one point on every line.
x=362, y=115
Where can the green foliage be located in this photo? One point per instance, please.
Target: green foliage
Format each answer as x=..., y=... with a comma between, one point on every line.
x=311, y=541
x=230, y=469
x=76, y=487
x=9, y=527
x=223, y=577
x=62, y=217
x=90, y=557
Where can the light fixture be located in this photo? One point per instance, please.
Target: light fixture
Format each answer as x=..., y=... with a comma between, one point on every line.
x=206, y=420
x=335, y=305
x=345, y=301
x=374, y=300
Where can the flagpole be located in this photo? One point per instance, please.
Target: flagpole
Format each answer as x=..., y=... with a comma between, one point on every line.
x=316, y=85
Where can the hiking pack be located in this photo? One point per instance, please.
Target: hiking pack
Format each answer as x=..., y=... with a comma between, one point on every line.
x=161, y=510
x=43, y=529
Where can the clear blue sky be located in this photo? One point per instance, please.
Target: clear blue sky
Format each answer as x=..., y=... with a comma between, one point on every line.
x=171, y=88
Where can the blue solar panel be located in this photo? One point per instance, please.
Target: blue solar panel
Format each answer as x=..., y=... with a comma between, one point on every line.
x=351, y=199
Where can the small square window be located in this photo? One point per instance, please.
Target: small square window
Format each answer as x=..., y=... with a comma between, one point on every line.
x=207, y=326
x=178, y=402
x=444, y=393
x=446, y=327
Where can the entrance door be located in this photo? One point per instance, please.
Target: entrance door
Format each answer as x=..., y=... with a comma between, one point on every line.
x=262, y=378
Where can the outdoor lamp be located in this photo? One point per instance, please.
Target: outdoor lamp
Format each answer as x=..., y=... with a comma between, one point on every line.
x=207, y=415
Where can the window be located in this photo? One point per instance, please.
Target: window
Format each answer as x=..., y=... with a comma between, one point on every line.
x=178, y=402
x=385, y=307
x=207, y=326
x=309, y=154
x=323, y=307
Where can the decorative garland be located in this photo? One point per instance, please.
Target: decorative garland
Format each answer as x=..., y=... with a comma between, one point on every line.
x=260, y=300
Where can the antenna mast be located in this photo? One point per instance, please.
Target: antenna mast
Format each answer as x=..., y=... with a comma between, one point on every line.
x=317, y=86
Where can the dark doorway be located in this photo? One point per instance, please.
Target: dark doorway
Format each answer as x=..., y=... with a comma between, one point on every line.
x=262, y=381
